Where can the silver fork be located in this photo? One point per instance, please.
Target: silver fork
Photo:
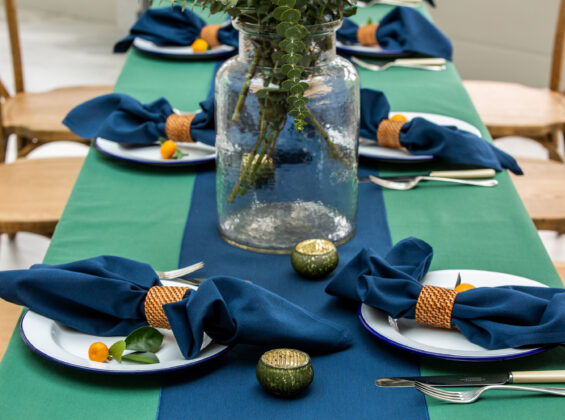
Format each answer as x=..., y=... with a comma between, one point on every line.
x=174, y=274
x=434, y=64
x=465, y=397
x=410, y=183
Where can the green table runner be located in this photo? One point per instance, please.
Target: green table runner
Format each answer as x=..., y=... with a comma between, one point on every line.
x=139, y=212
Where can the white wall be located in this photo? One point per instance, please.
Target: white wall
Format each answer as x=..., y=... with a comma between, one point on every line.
x=500, y=39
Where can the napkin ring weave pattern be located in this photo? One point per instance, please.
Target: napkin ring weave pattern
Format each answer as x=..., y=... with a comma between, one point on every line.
x=388, y=133
x=367, y=35
x=158, y=296
x=434, y=306
x=177, y=128
x=209, y=33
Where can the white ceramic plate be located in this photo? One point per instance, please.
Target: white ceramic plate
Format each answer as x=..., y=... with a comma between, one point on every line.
x=408, y=335
x=182, y=51
x=69, y=347
x=405, y=3
x=370, y=148
x=366, y=51
x=151, y=155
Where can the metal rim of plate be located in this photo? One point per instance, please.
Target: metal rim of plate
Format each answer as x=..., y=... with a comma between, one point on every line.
x=446, y=355
x=166, y=163
x=182, y=52
x=405, y=156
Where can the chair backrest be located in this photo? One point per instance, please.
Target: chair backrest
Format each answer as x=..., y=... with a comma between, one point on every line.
x=12, y=18
x=558, y=47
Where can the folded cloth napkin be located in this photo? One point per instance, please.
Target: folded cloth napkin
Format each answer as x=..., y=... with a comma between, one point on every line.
x=174, y=26
x=422, y=137
x=492, y=317
x=123, y=119
x=112, y=296
x=403, y=28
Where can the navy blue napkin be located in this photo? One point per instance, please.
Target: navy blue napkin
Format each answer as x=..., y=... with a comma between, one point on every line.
x=406, y=29
x=105, y=296
x=173, y=26
x=123, y=119
x=492, y=317
x=422, y=137
x=232, y=311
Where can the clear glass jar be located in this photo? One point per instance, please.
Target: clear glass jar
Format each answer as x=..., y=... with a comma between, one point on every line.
x=297, y=184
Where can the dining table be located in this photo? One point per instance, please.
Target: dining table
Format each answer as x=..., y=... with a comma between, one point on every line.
x=165, y=216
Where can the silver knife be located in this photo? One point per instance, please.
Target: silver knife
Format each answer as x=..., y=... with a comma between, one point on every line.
x=461, y=174
x=518, y=377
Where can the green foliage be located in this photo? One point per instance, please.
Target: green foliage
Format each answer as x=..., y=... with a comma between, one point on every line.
x=289, y=55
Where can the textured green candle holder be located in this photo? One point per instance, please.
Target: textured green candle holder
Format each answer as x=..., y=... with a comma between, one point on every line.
x=285, y=372
x=314, y=258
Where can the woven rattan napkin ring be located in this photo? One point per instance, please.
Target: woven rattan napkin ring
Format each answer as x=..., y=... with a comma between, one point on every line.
x=158, y=296
x=434, y=306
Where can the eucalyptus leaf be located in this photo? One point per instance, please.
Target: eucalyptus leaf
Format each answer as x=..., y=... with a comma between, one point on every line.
x=117, y=349
x=144, y=339
x=290, y=15
x=279, y=11
x=141, y=357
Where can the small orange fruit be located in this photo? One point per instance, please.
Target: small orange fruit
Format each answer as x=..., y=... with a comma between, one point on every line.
x=168, y=149
x=399, y=117
x=199, y=46
x=463, y=286
x=98, y=352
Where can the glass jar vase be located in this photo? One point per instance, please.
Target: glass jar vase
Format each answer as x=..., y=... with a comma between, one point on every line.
x=277, y=182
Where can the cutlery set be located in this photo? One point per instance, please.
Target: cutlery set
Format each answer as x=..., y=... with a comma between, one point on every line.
x=459, y=177
x=429, y=385
x=432, y=64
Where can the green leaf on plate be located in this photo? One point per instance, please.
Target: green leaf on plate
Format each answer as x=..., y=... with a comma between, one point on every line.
x=144, y=339
x=141, y=357
x=117, y=349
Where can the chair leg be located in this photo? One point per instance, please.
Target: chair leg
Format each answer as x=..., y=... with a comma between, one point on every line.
x=552, y=146
x=3, y=146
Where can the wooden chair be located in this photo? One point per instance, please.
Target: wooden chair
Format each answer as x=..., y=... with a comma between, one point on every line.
x=9, y=315
x=34, y=193
x=542, y=190
x=511, y=109
x=35, y=118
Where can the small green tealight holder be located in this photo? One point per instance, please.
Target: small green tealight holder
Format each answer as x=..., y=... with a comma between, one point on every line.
x=285, y=372
x=314, y=258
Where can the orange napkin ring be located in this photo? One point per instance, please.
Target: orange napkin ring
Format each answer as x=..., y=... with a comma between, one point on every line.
x=177, y=127
x=434, y=306
x=388, y=133
x=158, y=296
x=367, y=35
x=209, y=33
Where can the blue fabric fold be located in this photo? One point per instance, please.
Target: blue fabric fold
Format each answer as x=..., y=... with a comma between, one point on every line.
x=173, y=26
x=492, y=317
x=406, y=29
x=422, y=137
x=123, y=119
x=106, y=296
x=233, y=311
x=100, y=296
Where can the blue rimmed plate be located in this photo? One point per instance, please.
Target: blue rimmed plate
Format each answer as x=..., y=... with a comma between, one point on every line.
x=182, y=52
x=69, y=347
x=150, y=154
x=367, y=51
x=369, y=148
x=408, y=335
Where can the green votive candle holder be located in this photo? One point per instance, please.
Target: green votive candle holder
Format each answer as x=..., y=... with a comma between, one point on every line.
x=285, y=372
x=314, y=258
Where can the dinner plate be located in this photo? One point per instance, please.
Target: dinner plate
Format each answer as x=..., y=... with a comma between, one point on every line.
x=405, y=3
x=408, y=335
x=371, y=149
x=185, y=52
x=150, y=154
x=69, y=347
x=368, y=51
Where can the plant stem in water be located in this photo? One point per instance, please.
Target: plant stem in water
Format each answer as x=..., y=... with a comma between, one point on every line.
x=245, y=88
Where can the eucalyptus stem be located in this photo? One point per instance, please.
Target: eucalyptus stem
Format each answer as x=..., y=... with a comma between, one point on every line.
x=334, y=150
x=252, y=154
x=245, y=88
